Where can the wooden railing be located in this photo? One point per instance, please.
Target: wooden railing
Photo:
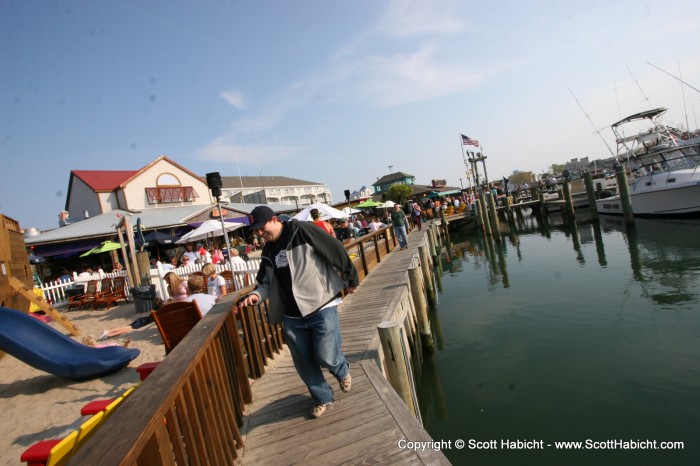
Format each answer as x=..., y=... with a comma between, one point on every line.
x=367, y=250
x=190, y=409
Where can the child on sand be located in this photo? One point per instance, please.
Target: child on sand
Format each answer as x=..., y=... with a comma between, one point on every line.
x=89, y=340
x=138, y=323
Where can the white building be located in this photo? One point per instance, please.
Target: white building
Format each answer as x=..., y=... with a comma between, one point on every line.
x=363, y=193
x=274, y=190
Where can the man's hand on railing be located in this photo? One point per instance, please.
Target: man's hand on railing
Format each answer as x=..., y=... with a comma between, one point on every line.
x=249, y=300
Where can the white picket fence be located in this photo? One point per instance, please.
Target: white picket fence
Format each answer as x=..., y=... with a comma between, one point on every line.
x=55, y=292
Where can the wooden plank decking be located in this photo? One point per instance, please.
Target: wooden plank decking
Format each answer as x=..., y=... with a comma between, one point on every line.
x=363, y=426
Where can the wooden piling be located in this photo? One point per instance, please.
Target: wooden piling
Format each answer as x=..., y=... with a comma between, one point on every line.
x=420, y=303
x=486, y=225
x=476, y=211
x=397, y=365
x=568, y=200
x=543, y=205
x=495, y=224
x=624, y=190
x=590, y=194
x=427, y=273
x=443, y=222
x=509, y=210
x=431, y=242
x=533, y=193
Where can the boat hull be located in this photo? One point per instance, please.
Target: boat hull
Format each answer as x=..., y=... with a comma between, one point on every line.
x=656, y=197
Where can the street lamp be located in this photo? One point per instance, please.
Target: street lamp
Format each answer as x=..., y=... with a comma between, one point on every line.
x=460, y=183
x=214, y=184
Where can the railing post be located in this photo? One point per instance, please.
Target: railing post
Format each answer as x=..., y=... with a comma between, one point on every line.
x=363, y=259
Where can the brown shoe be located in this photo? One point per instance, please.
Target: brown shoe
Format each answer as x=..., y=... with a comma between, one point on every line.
x=346, y=383
x=318, y=410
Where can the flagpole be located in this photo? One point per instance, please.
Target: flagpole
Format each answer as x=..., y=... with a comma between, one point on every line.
x=464, y=159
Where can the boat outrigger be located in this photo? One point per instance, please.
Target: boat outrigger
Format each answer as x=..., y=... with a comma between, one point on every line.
x=662, y=169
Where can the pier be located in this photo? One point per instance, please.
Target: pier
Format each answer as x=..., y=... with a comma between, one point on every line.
x=228, y=393
x=363, y=426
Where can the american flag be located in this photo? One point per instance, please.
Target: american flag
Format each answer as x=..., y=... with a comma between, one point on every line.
x=467, y=141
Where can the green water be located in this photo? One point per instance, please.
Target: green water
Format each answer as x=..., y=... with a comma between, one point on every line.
x=568, y=334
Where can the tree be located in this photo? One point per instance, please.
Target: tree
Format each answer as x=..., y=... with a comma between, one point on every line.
x=519, y=177
x=399, y=193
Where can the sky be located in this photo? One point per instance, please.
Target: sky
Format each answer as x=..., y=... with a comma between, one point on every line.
x=338, y=92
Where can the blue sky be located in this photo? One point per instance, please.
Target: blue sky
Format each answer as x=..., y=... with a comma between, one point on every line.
x=327, y=91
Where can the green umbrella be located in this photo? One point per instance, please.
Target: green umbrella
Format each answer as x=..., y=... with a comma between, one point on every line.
x=369, y=203
x=104, y=247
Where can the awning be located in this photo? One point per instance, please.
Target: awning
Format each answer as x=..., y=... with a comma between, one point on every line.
x=65, y=249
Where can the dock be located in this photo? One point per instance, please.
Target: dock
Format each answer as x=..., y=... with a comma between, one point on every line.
x=363, y=426
x=229, y=393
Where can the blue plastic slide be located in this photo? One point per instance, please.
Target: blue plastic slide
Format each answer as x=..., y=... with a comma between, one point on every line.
x=45, y=348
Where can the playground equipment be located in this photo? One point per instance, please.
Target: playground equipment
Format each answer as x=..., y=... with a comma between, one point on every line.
x=16, y=282
x=45, y=348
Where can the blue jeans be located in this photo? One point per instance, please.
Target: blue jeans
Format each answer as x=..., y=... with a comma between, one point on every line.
x=315, y=343
x=401, y=235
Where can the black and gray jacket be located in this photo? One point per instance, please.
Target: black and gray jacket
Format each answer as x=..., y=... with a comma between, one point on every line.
x=315, y=260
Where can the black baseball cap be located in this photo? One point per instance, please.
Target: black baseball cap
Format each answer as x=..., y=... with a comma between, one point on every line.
x=260, y=216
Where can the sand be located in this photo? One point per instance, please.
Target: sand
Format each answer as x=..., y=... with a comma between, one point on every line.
x=36, y=405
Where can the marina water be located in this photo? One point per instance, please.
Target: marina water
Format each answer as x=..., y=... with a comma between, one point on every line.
x=568, y=333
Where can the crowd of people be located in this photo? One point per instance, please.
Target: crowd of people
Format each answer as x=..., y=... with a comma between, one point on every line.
x=205, y=288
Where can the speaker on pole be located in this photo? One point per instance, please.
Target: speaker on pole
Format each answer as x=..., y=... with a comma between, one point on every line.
x=214, y=183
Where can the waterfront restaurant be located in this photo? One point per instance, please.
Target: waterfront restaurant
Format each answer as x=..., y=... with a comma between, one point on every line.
x=162, y=196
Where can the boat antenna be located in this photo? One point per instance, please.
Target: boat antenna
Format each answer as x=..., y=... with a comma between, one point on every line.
x=640, y=88
x=619, y=110
x=685, y=107
x=683, y=84
x=674, y=77
x=595, y=128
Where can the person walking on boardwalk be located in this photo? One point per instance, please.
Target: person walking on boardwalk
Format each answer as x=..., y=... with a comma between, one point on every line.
x=416, y=212
x=399, y=222
x=299, y=275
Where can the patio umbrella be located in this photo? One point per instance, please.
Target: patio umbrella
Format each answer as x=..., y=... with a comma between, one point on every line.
x=158, y=237
x=104, y=247
x=325, y=210
x=208, y=229
x=389, y=204
x=368, y=203
x=350, y=210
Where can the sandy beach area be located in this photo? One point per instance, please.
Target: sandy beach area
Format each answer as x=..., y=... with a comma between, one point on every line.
x=36, y=405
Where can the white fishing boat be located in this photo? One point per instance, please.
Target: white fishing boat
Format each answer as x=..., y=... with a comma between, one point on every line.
x=663, y=175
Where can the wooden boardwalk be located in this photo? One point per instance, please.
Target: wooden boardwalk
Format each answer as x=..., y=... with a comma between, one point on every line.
x=363, y=426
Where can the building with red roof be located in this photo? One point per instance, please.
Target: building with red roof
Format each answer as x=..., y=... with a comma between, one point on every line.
x=161, y=183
